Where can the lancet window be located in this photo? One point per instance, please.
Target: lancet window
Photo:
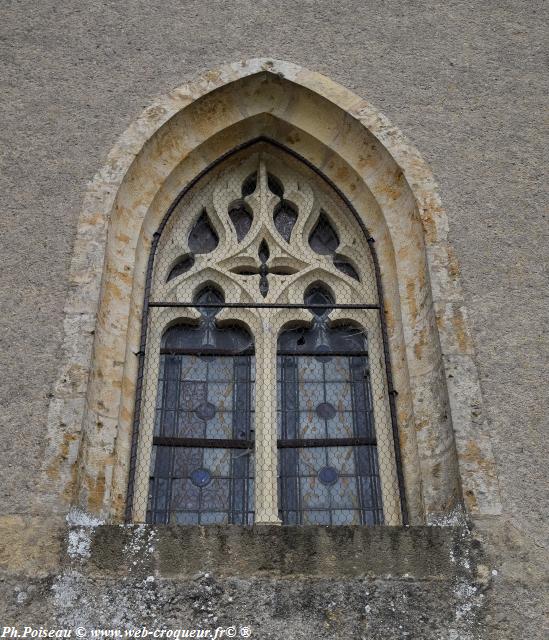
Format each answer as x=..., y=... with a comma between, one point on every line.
x=264, y=395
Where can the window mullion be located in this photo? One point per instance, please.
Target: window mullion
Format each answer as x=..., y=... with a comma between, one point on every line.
x=266, y=503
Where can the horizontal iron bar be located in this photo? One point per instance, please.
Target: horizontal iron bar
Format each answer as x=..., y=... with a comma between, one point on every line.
x=205, y=352
x=259, y=305
x=208, y=443
x=218, y=443
x=333, y=510
x=250, y=352
x=325, y=442
x=205, y=511
x=177, y=477
x=321, y=354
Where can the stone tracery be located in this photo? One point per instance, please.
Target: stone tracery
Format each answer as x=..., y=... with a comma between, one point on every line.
x=394, y=194
x=265, y=230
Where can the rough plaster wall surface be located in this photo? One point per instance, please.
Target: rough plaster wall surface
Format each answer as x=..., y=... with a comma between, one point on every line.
x=463, y=80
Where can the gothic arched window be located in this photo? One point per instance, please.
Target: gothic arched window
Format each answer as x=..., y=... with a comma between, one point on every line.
x=328, y=463
x=265, y=394
x=203, y=430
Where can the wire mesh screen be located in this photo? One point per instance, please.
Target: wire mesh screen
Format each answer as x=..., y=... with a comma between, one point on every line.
x=264, y=394
x=202, y=453
x=328, y=462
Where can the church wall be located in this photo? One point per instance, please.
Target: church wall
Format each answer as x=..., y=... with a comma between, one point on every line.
x=462, y=81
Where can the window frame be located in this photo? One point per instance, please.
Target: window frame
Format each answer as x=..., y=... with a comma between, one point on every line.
x=151, y=306
x=362, y=482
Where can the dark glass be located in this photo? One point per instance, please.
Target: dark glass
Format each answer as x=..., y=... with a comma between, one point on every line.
x=204, y=339
x=341, y=339
x=241, y=218
x=323, y=238
x=283, y=270
x=249, y=185
x=318, y=294
x=182, y=265
x=341, y=263
x=209, y=295
x=263, y=254
x=203, y=237
x=245, y=271
x=285, y=217
x=275, y=186
x=204, y=395
x=325, y=398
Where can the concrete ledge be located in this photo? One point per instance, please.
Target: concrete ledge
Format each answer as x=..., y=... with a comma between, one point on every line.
x=182, y=551
x=322, y=582
x=42, y=548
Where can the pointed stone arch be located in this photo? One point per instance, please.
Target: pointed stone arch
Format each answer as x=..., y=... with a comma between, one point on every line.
x=445, y=445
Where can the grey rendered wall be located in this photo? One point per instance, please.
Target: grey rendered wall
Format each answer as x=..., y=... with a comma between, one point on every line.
x=464, y=80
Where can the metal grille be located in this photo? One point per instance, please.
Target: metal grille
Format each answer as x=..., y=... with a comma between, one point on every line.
x=328, y=463
x=264, y=393
x=201, y=471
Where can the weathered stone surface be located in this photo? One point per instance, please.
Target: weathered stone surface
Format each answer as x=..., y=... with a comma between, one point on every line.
x=466, y=81
x=326, y=581
x=458, y=582
x=396, y=199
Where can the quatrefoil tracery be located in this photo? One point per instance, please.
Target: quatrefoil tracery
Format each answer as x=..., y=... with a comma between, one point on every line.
x=263, y=232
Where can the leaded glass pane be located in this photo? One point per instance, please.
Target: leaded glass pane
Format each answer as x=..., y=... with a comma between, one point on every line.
x=242, y=220
x=345, y=267
x=324, y=401
x=285, y=217
x=203, y=237
x=183, y=264
x=323, y=238
x=275, y=185
x=203, y=397
x=249, y=185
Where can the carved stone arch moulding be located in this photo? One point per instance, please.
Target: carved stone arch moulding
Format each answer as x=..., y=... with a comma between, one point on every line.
x=444, y=439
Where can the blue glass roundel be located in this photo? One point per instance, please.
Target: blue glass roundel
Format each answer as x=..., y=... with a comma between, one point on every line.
x=328, y=475
x=205, y=411
x=326, y=410
x=201, y=477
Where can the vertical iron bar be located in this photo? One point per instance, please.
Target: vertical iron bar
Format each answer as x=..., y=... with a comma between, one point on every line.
x=140, y=368
x=391, y=390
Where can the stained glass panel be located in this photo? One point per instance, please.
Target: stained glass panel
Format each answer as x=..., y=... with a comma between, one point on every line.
x=324, y=238
x=203, y=237
x=203, y=397
x=242, y=219
x=326, y=402
x=183, y=264
x=285, y=217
